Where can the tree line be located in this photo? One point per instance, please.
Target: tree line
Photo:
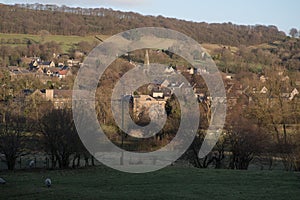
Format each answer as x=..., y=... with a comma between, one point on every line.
x=53, y=134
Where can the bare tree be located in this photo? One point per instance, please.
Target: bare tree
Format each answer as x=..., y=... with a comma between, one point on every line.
x=294, y=32
x=217, y=156
x=277, y=112
x=12, y=139
x=214, y=158
x=247, y=140
x=59, y=136
x=43, y=34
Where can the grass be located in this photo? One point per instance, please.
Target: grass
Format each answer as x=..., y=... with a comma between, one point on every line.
x=65, y=41
x=212, y=47
x=169, y=183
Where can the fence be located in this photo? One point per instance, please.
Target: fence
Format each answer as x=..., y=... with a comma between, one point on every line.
x=36, y=161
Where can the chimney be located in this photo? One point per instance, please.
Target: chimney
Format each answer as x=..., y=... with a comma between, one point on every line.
x=49, y=94
x=146, y=61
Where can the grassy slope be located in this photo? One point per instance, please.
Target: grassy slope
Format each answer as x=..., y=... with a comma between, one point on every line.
x=66, y=41
x=170, y=183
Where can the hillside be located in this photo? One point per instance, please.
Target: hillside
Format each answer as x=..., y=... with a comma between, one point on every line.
x=65, y=42
x=30, y=19
x=23, y=32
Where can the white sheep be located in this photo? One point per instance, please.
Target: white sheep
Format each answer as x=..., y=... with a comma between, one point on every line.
x=31, y=164
x=2, y=181
x=48, y=182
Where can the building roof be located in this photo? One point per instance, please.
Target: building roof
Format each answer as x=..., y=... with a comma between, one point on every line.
x=63, y=72
x=166, y=91
x=62, y=93
x=53, y=69
x=46, y=63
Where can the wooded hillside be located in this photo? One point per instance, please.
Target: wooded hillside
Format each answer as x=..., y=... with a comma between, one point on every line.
x=32, y=18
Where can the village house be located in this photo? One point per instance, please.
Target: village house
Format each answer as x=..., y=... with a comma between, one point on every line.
x=39, y=69
x=33, y=65
x=73, y=62
x=29, y=96
x=27, y=60
x=60, y=98
x=53, y=71
x=293, y=94
x=263, y=79
x=47, y=64
x=63, y=73
x=169, y=70
x=191, y=70
x=16, y=72
x=200, y=94
x=264, y=90
x=287, y=94
x=143, y=103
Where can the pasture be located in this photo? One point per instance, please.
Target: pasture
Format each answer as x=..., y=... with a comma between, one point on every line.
x=170, y=183
x=66, y=42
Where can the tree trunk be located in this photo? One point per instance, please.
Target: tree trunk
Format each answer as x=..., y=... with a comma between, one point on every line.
x=78, y=160
x=86, y=159
x=73, y=161
x=93, y=161
x=10, y=162
x=53, y=161
x=232, y=162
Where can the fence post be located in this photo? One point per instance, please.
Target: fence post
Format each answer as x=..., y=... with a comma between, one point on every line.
x=47, y=163
x=20, y=162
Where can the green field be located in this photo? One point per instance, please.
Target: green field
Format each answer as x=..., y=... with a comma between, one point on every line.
x=65, y=41
x=169, y=183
